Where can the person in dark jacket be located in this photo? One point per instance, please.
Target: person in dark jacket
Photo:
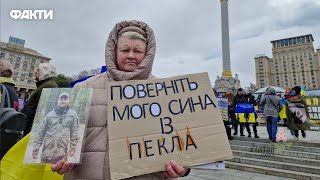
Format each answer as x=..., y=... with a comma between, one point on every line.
x=44, y=74
x=6, y=80
x=231, y=115
x=240, y=98
x=297, y=93
x=252, y=100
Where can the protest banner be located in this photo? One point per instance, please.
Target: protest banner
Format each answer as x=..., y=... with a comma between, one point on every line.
x=313, y=111
x=59, y=126
x=302, y=113
x=152, y=122
x=223, y=106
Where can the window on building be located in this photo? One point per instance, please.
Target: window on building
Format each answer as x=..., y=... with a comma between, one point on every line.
x=30, y=74
x=18, y=58
x=22, y=80
x=33, y=61
x=2, y=55
x=24, y=67
x=17, y=66
x=23, y=74
x=16, y=72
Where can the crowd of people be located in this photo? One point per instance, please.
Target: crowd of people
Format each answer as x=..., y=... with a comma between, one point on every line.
x=271, y=103
x=130, y=52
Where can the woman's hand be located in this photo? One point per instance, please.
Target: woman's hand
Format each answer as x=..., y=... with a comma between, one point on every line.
x=174, y=170
x=61, y=167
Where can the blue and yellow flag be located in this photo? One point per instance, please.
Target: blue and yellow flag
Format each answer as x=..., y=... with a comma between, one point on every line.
x=303, y=90
x=13, y=168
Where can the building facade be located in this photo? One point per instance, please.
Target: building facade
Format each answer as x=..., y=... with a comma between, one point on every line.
x=294, y=62
x=24, y=60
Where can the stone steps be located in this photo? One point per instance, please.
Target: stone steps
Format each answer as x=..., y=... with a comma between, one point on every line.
x=278, y=165
x=279, y=158
x=284, y=152
x=290, y=145
x=294, y=143
x=272, y=171
x=297, y=160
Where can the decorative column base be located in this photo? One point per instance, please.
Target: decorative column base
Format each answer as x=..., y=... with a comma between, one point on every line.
x=227, y=83
x=227, y=73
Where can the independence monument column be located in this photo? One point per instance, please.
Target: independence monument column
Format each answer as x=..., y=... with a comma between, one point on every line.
x=225, y=38
x=226, y=83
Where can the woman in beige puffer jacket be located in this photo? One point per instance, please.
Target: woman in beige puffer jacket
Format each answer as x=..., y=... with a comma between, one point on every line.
x=95, y=159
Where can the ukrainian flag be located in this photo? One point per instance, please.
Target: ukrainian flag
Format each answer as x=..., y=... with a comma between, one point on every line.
x=13, y=168
x=245, y=113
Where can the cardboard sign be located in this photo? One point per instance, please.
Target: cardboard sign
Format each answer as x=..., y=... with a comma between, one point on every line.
x=155, y=121
x=59, y=126
x=223, y=106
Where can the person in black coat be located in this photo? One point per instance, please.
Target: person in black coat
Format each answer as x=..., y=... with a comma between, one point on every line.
x=239, y=98
x=251, y=100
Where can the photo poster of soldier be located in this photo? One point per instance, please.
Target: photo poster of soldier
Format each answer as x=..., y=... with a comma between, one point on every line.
x=151, y=122
x=302, y=113
x=245, y=113
x=59, y=125
x=223, y=106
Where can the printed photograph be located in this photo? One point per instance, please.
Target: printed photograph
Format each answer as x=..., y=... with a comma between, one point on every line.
x=59, y=125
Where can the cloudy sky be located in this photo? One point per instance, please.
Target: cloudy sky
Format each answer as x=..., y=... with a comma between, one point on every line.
x=188, y=32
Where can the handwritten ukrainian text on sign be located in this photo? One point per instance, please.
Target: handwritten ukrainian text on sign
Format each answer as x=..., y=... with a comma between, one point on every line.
x=155, y=121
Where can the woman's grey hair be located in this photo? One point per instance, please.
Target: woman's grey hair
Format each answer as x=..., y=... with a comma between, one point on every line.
x=133, y=35
x=6, y=69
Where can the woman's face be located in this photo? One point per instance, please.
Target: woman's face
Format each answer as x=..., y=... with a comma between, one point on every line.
x=287, y=91
x=130, y=53
x=36, y=73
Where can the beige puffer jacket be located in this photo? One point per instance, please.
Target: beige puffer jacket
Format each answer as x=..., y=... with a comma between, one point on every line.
x=95, y=159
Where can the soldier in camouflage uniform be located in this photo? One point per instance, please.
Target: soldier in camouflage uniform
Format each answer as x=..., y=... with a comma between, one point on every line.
x=59, y=133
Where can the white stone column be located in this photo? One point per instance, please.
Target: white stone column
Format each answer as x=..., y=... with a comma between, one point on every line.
x=225, y=36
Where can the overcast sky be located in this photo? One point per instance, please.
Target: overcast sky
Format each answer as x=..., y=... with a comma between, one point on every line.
x=188, y=32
